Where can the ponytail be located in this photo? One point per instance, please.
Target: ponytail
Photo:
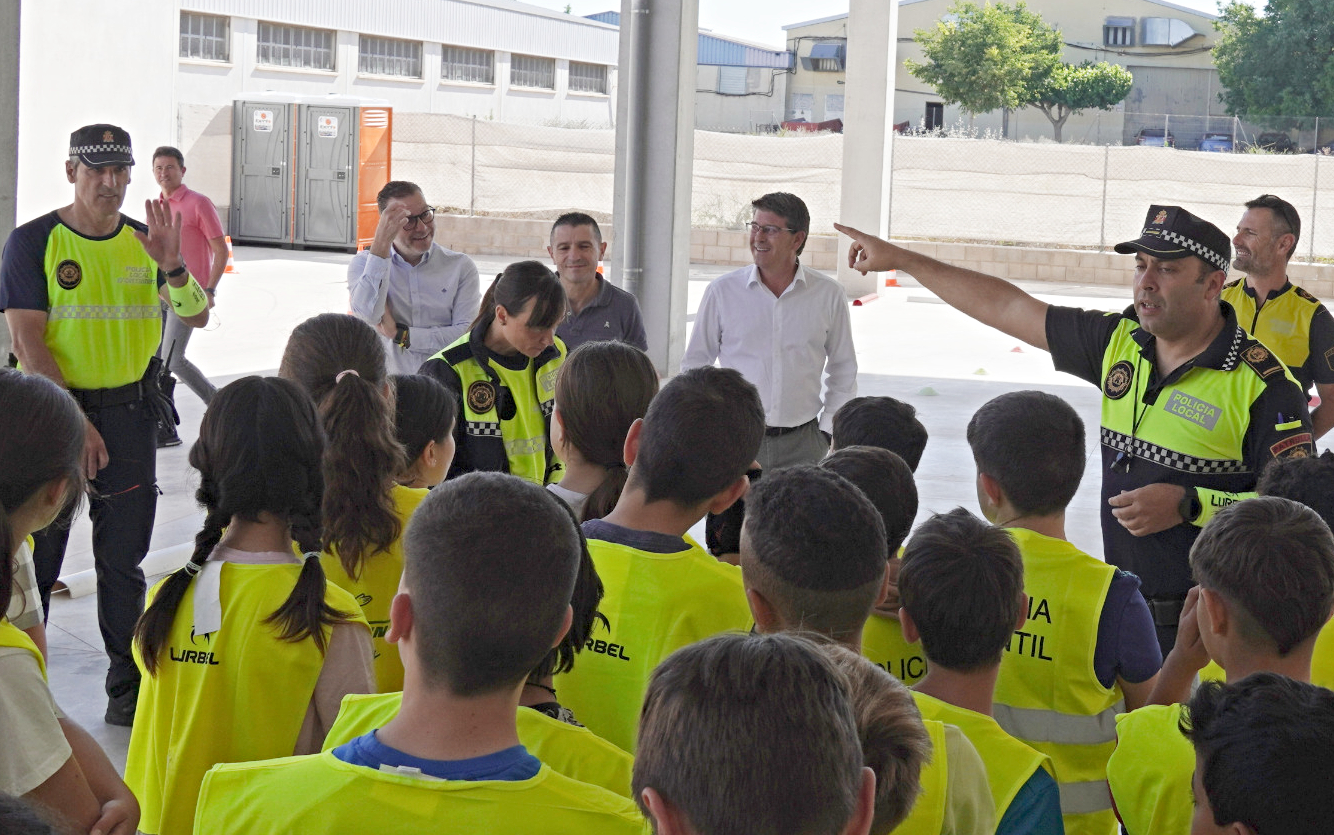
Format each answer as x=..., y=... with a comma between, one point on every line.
x=154, y=627
x=259, y=451
x=362, y=459
x=604, y=497
x=584, y=600
x=7, y=568
x=305, y=614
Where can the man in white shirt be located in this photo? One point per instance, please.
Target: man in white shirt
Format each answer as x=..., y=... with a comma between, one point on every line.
x=418, y=295
x=785, y=327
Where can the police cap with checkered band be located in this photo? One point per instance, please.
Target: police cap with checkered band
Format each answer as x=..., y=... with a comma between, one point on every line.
x=1171, y=232
x=98, y=146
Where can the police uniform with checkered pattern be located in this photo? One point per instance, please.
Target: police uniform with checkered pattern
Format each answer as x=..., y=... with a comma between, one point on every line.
x=1212, y=424
x=505, y=405
x=1293, y=324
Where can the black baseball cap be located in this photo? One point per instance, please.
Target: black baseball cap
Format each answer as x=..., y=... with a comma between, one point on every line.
x=97, y=146
x=1171, y=232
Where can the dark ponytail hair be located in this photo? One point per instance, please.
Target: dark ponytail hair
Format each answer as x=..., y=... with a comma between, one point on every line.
x=424, y=411
x=363, y=456
x=584, y=602
x=602, y=389
x=259, y=450
x=41, y=441
x=521, y=281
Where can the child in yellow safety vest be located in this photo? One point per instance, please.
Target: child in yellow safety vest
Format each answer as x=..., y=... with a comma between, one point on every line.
x=887, y=480
x=1265, y=568
x=813, y=552
x=339, y=361
x=1264, y=761
x=1088, y=648
x=769, y=718
x=490, y=563
x=45, y=757
x=246, y=651
x=687, y=456
x=962, y=589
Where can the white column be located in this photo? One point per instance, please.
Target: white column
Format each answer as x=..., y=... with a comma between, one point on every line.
x=9, y=140
x=868, y=127
x=655, y=144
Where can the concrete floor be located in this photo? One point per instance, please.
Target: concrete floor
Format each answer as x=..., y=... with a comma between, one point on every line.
x=909, y=344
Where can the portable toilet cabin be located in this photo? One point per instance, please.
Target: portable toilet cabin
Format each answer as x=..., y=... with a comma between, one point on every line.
x=322, y=194
x=263, y=190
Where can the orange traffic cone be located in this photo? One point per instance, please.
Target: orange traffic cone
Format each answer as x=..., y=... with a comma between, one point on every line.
x=231, y=262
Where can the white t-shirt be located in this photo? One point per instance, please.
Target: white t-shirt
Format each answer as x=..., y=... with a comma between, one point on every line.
x=33, y=743
x=576, y=501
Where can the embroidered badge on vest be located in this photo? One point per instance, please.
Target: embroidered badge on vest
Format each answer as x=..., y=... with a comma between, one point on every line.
x=1296, y=446
x=1261, y=361
x=481, y=396
x=69, y=274
x=1118, y=380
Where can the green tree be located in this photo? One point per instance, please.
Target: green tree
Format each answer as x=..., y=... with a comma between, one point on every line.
x=989, y=57
x=1280, y=63
x=1072, y=88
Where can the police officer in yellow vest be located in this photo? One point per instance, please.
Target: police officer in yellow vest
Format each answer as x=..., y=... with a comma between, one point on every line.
x=1285, y=318
x=503, y=371
x=1192, y=407
x=80, y=290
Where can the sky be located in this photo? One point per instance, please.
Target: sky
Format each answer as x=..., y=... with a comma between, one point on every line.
x=761, y=21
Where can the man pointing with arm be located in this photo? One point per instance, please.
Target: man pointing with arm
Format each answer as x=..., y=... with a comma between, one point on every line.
x=1192, y=407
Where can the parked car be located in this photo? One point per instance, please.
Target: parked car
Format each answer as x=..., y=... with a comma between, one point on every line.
x=1217, y=142
x=1276, y=142
x=1156, y=137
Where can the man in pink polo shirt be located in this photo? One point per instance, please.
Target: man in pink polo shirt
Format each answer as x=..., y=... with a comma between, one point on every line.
x=204, y=251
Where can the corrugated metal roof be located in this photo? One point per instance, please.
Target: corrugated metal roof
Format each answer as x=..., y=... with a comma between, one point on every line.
x=485, y=24
x=720, y=51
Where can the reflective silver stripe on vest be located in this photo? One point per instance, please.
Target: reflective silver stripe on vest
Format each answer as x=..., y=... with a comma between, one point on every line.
x=1085, y=798
x=105, y=311
x=1036, y=725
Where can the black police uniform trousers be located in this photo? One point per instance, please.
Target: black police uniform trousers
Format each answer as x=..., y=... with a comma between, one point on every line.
x=123, y=505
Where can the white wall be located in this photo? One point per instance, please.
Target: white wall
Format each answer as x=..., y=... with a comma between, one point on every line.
x=88, y=61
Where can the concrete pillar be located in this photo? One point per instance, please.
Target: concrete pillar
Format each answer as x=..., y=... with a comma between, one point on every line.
x=655, y=148
x=868, y=128
x=9, y=140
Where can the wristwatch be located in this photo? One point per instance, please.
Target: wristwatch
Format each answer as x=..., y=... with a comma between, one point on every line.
x=1190, y=507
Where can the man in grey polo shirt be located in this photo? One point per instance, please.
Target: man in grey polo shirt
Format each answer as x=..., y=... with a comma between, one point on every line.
x=417, y=294
x=599, y=310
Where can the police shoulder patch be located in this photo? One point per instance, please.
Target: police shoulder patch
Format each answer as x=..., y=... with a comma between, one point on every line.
x=1305, y=294
x=1231, y=284
x=1261, y=360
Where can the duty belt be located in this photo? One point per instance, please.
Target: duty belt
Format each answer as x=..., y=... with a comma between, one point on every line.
x=91, y=399
x=1166, y=611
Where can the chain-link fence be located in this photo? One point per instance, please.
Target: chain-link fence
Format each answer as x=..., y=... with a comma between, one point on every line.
x=944, y=187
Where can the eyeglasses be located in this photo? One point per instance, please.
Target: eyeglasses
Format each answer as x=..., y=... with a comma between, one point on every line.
x=425, y=217
x=769, y=231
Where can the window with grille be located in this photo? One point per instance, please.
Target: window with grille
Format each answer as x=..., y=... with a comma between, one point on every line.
x=1118, y=31
x=588, y=78
x=205, y=36
x=295, y=46
x=459, y=63
x=390, y=56
x=531, y=71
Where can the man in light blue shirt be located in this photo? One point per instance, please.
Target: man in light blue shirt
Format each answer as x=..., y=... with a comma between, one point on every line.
x=418, y=295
